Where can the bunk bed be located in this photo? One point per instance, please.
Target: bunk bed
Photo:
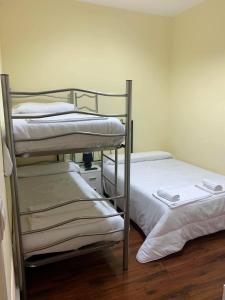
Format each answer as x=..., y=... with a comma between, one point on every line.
x=75, y=221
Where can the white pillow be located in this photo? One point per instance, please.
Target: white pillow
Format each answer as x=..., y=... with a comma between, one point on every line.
x=142, y=156
x=47, y=169
x=37, y=107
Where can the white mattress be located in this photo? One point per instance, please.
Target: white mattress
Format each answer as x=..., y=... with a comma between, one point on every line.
x=44, y=190
x=49, y=128
x=167, y=230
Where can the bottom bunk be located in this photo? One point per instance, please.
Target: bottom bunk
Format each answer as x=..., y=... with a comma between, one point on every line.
x=64, y=227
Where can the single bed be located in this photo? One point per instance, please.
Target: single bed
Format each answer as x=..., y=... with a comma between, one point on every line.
x=42, y=186
x=167, y=229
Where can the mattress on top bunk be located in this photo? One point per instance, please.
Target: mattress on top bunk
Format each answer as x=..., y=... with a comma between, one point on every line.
x=50, y=187
x=59, y=133
x=168, y=229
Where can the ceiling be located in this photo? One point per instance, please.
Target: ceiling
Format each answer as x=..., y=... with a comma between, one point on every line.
x=157, y=7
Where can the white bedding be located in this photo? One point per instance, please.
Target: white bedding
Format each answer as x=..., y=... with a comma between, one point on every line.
x=167, y=230
x=43, y=107
x=44, y=190
x=26, y=129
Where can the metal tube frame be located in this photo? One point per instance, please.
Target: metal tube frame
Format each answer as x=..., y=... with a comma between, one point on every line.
x=70, y=221
x=71, y=238
x=19, y=257
x=71, y=254
x=127, y=174
x=102, y=171
x=31, y=212
x=115, y=177
x=17, y=238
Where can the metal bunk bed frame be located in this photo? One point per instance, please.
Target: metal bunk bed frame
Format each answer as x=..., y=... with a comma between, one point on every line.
x=19, y=259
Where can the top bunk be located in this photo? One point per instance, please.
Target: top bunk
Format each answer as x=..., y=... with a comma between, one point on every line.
x=54, y=122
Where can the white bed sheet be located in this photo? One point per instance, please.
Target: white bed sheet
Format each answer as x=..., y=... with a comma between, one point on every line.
x=167, y=230
x=25, y=129
x=42, y=190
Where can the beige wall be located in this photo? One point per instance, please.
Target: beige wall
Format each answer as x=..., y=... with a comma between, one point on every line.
x=177, y=66
x=54, y=43
x=197, y=114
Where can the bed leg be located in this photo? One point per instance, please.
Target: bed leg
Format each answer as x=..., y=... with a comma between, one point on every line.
x=125, y=249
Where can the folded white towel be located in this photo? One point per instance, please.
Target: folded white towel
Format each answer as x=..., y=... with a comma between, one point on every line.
x=187, y=194
x=212, y=185
x=168, y=194
x=204, y=188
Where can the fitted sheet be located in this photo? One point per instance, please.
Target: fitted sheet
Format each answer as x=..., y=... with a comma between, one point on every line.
x=167, y=230
x=50, y=189
x=50, y=129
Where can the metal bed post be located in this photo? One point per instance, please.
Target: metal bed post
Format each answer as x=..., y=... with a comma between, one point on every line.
x=75, y=99
x=127, y=174
x=102, y=171
x=96, y=103
x=116, y=175
x=17, y=240
x=72, y=101
x=71, y=97
x=132, y=137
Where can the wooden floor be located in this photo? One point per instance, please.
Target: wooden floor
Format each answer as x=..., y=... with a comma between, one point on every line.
x=196, y=273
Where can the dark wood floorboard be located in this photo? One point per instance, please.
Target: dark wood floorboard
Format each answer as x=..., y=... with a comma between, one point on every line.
x=196, y=273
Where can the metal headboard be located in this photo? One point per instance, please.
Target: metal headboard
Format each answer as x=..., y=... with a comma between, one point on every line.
x=75, y=98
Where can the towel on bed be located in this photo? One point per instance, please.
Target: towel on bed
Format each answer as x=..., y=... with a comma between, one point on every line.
x=168, y=194
x=212, y=185
x=187, y=194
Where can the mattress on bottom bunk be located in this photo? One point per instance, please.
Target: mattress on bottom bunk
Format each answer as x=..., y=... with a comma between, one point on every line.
x=168, y=229
x=60, y=131
x=51, y=186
